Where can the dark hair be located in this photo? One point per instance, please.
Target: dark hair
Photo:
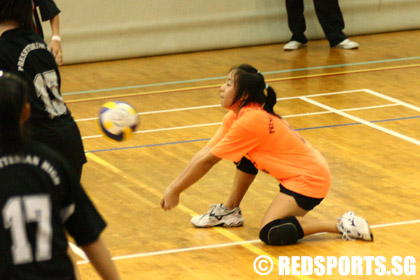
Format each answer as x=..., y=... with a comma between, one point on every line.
x=17, y=10
x=250, y=86
x=13, y=97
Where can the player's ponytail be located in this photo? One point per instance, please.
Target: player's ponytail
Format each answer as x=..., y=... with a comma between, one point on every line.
x=251, y=88
x=270, y=101
x=13, y=97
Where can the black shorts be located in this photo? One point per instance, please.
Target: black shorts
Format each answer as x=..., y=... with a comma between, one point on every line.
x=304, y=202
x=245, y=165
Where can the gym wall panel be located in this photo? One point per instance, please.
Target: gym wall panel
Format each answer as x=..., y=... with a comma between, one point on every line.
x=113, y=29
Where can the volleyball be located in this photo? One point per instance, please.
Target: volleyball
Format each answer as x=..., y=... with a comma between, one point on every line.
x=118, y=120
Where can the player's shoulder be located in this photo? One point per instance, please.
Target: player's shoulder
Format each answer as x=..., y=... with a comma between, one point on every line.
x=6, y=45
x=229, y=115
x=15, y=33
x=253, y=114
x=229, y=118
x=255, y=120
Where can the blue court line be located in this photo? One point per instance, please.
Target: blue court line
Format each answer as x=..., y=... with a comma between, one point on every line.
x=147, y=146
x=207, y=139
x=224, y=77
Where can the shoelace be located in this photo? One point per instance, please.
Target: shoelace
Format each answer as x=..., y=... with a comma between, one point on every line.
x=212, y=207
x=346, y=237
x=344, y=232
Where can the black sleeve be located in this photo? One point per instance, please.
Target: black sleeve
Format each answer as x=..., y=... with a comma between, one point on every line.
x=85, y=224
x=48, y=9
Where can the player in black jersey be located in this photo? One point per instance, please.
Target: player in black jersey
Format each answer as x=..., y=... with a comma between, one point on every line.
x=24, y=52
x=41, y=198
x=49, y=11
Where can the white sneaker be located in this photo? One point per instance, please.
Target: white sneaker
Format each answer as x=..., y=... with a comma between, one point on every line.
x=353, y=227
x=347, y=44
x=219, y=216
x=293, y=45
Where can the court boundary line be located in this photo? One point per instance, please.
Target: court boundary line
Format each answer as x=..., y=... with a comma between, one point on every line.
x=229, y=244
x=207, y=139
x=395, y=102
x=285, y=117
x=264, y=73
x=275, y=80
x=218, y=105
x=367, y=123
x=218, y=123
x=392, y=99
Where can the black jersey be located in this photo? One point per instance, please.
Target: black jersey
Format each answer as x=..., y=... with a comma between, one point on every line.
x=22, y=51
x=40, y=198
x=48, y=10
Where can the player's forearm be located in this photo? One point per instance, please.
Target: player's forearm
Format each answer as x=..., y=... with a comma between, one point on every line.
x=55, y=26
x=194, y=173
x=101, y=259
x=193, y=161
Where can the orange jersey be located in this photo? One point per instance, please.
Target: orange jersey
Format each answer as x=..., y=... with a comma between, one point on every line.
x=274, y=147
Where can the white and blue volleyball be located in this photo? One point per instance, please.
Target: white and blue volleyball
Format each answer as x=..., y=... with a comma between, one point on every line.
x=118, y=120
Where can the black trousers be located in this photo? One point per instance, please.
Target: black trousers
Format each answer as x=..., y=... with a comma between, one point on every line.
x=329, y=16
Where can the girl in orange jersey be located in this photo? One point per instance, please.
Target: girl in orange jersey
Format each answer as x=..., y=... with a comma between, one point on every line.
x=256, y=138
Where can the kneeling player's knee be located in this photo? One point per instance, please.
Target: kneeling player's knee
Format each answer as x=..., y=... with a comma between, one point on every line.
x=282, y=232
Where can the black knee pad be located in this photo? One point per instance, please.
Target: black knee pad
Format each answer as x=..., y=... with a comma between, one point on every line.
x=282, y=232
x=246, y=166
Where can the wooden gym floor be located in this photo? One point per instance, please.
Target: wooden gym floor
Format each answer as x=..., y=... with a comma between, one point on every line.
x=360, y=108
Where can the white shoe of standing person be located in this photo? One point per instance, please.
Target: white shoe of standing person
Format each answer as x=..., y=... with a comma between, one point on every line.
x=347, y=44
x=293, y=45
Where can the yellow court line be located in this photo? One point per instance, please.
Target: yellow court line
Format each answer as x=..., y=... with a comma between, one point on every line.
x=267, y=80
x=228, y=234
